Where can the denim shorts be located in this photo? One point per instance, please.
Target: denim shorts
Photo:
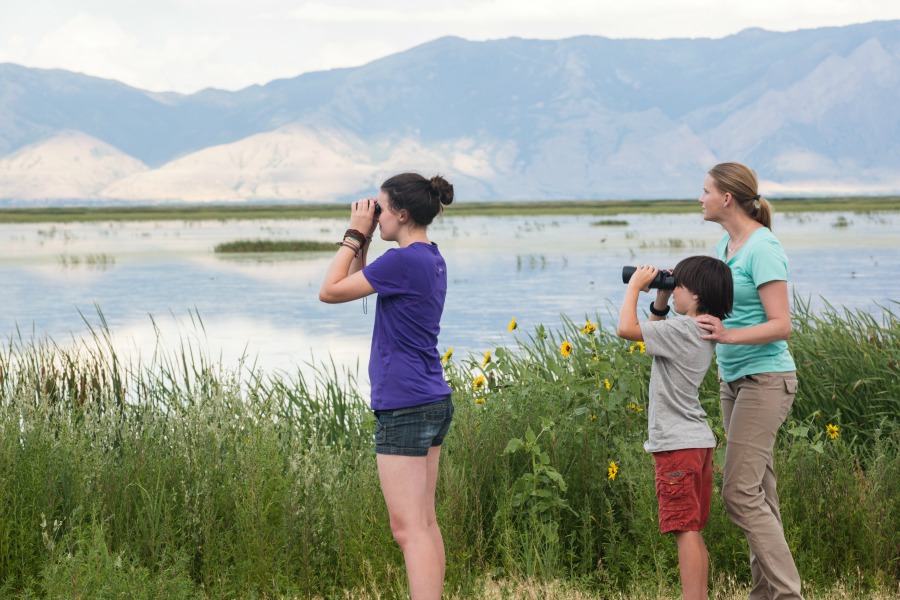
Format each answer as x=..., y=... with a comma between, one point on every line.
x=412, y=431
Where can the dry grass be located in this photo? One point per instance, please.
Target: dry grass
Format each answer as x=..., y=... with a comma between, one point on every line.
x=557, y=590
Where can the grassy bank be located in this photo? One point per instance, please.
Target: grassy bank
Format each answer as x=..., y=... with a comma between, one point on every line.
x=215, y=212
x=186, y=478
x=256, y=246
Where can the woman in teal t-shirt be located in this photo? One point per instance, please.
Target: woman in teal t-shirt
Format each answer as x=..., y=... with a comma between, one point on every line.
x=756, y=371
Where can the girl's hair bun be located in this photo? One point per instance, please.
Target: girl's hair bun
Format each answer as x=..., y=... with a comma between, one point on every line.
x=441, y=189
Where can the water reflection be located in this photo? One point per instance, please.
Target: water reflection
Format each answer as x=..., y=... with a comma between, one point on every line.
x=156, y=275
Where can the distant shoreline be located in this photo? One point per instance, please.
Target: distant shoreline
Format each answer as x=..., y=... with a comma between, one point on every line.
x=215, y=212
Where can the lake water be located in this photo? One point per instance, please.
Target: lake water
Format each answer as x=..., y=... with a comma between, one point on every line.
x=159, y=280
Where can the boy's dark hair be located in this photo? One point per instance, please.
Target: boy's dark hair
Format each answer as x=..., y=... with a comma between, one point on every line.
x=710, y=279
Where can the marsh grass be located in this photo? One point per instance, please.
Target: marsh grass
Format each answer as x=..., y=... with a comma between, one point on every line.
x=673, y=244
x=179, y=477
x=218, y=212
x=610, y=223
x=101, y=261
x=848, y=363
x=256, y=246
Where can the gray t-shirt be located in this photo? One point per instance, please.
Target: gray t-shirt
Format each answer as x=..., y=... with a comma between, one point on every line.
x=680, y=361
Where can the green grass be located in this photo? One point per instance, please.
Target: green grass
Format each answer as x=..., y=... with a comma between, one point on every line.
x=185, y=478
x=848, y=363
x=255, y=246
x=217, y=212
x=610, y=223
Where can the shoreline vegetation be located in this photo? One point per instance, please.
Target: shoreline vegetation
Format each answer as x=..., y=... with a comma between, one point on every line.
x=255, y=246
x=185, y=478
x=201, y=212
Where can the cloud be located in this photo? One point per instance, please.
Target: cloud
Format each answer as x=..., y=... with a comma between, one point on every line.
x=100, y=46
x=591, y=16
x=472, y=13
x=186, y=45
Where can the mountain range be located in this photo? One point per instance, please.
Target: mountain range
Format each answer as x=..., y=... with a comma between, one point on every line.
x=814, y=112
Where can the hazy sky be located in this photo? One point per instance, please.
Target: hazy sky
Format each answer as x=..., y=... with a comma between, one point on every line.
x=187, y=45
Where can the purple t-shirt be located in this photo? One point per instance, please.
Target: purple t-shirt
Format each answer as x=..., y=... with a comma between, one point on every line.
x=405, y=365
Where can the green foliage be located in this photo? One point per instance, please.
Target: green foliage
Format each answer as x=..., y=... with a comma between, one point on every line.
x=83, y=567
x=838, y=499
x=530, y=519
x=218, y=212
x=181, y=478
x=247, y=246
x=848, y=365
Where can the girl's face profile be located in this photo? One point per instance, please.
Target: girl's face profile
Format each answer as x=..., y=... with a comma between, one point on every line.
x=388, y=220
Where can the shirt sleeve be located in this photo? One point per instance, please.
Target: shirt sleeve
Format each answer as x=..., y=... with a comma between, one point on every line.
x=769, y=263
x=662, y=338
x=388, y=274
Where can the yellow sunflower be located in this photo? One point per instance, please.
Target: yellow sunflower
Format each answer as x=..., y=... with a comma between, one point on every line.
x=478, y=382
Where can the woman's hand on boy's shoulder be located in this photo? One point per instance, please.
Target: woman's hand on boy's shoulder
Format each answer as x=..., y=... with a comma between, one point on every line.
x=715, y=331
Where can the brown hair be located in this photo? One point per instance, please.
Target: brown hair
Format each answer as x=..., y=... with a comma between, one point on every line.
x=710, y=279
x=422, y=198
x=741, y=182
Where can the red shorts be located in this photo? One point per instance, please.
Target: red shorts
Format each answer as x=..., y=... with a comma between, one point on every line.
x=683, y=488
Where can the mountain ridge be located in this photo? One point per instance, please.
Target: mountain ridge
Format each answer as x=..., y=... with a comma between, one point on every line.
x=583, y=117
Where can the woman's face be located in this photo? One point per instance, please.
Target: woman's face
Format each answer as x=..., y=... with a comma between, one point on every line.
x=712, y=200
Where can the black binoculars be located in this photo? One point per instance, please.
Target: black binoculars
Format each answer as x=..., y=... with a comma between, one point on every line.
x=377, y=209
x=663, y=280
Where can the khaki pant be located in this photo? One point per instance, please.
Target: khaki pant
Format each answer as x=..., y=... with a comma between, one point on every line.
x=753, y=409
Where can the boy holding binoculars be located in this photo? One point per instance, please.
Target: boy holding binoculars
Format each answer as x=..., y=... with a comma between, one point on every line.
x=680, y=439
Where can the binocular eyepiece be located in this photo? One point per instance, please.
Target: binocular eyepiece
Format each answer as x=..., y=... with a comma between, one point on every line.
x=663, y=280
x=377, y=209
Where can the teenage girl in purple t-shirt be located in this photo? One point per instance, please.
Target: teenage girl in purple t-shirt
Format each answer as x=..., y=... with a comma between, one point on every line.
x=410, y=397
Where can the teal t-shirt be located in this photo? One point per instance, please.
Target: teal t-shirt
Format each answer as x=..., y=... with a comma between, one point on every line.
x=762, y=259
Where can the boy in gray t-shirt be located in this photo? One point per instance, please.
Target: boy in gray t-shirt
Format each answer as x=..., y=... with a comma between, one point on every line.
x=679, y=436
